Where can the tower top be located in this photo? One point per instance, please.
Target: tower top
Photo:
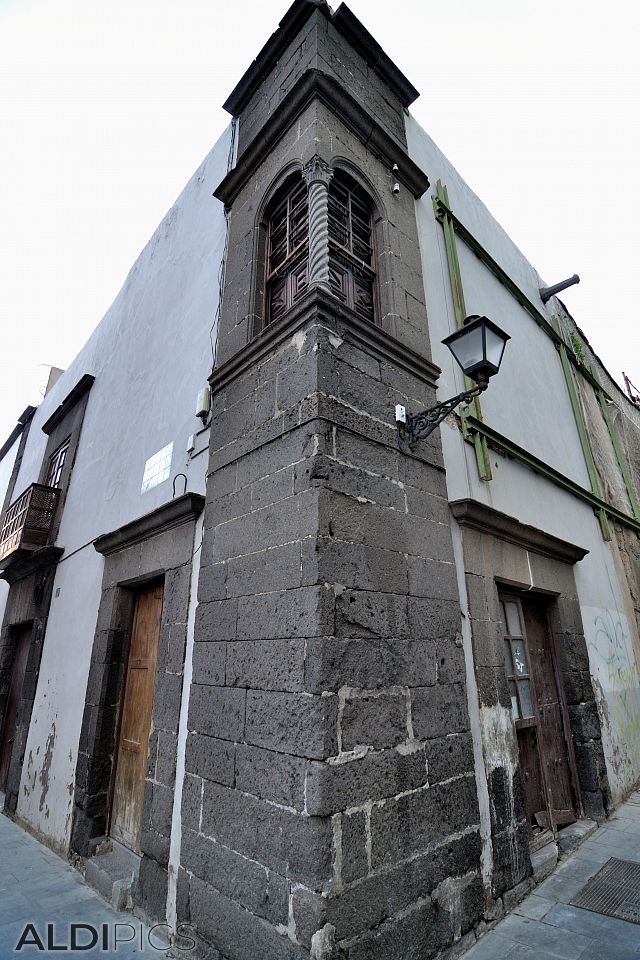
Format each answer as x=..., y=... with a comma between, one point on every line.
x=347, y=24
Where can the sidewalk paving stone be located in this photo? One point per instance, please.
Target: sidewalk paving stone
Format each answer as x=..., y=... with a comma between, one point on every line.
x=39, y=887
x=535, y=907
x=594, y=926
x=550, y=940
x=546, y=927
x=609, y=951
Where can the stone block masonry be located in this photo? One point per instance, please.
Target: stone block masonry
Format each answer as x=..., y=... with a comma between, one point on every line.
x=329, y=795
x=329, y=792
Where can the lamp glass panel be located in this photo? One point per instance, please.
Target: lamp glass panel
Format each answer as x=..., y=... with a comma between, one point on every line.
x=468, y=349
x=495, y=347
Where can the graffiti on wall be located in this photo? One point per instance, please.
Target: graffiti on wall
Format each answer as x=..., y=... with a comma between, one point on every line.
x=614, y=669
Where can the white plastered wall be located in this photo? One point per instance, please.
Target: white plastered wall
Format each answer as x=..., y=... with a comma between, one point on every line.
x=150, y=355
x=528, y=402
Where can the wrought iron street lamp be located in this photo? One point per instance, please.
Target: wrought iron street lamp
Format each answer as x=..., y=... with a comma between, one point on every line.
x=478, y=347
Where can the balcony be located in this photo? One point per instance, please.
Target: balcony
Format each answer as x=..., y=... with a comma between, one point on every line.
x=27, y=522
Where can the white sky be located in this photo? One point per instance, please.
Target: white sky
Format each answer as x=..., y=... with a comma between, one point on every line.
x=107, y=109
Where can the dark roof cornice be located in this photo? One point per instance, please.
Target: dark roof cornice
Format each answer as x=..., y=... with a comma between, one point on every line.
x=369, y=48
x=314, y=84
x=292, y=22
x=83, y=385
x=23, y=420
x=347, y=24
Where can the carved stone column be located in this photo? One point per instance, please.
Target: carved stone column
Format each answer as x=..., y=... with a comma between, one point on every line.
x=318, y=175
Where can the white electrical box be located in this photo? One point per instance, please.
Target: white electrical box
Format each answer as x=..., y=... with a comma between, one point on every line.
x=401, y=413
x=191, y=443
x=204, y=402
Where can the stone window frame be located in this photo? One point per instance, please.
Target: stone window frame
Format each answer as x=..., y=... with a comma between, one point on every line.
x=64, y=428
x=383, y=294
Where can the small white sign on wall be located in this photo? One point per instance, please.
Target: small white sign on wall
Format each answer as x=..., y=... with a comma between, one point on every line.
x=157, y=468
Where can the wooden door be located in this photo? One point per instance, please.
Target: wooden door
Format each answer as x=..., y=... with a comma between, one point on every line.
x=135, y=720
x=553, y=735
x=542, y=741
x=23, y=643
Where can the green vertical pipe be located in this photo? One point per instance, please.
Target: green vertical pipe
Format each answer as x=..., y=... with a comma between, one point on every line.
x=582, y=429
x=622, y=463
x=479, y=442
x=452, y=258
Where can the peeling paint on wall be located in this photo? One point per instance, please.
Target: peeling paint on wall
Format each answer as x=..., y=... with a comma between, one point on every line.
x=617, y=687
x=501, y=754
x=43, y=776
x=500, y=746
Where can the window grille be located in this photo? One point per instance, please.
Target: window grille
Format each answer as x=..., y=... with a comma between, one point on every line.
x=56, y=465
x=287, y=252
x=351, y=257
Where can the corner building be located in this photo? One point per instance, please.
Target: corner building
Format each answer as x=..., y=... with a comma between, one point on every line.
x=341, y=680
x=380, y=680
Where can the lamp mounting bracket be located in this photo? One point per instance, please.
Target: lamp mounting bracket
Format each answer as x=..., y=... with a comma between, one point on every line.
x=419, y=426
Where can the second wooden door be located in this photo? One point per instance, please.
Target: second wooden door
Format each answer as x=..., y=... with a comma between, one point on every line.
x=544, y=744
x=135, y=720
x=554, y=738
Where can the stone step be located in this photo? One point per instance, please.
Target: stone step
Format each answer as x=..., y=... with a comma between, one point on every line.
x=112, y=873
x=544, y=861
x=570, y=838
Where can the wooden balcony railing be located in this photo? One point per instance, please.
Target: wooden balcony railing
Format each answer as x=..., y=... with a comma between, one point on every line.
x=27, y=522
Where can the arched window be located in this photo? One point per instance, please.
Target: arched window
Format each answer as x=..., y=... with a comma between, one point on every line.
x=352, y=275
x=287, y=259
x=351, y=256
